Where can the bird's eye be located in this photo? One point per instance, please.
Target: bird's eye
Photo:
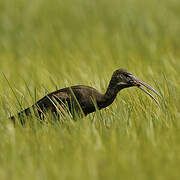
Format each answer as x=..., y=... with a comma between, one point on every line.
x=120, y=76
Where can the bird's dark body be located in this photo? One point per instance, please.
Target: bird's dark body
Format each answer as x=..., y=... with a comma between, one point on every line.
x=80, y=97
x=78, y=100
x=82, y=100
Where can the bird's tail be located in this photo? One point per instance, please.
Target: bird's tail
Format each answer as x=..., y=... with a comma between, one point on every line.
x=21, y=116
x=12, y=118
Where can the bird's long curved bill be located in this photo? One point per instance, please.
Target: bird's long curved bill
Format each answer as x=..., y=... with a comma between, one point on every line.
x=148, y=86
x=147, y=92
x=141, y=83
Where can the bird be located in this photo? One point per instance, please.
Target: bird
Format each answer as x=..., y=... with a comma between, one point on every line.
x=82, y=100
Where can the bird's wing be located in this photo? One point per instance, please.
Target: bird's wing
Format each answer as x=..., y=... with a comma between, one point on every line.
x=54, y=102
x=60, y=100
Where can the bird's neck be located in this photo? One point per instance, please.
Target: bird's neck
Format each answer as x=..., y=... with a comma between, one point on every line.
x=108, y=97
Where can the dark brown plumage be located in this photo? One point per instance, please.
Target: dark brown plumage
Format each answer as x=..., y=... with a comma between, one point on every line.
x=83, y=100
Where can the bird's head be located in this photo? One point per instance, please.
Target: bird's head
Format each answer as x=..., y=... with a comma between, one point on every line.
x=121, y=79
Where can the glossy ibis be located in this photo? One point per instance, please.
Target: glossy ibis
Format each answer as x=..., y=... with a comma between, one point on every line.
x=83, y=100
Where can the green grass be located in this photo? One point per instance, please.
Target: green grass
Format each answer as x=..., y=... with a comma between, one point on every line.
x=46, y=45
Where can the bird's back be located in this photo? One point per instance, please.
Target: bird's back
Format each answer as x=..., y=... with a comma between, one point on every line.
x=78, y=98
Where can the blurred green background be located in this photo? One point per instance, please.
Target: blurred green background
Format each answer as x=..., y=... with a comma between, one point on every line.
x=46, y=45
